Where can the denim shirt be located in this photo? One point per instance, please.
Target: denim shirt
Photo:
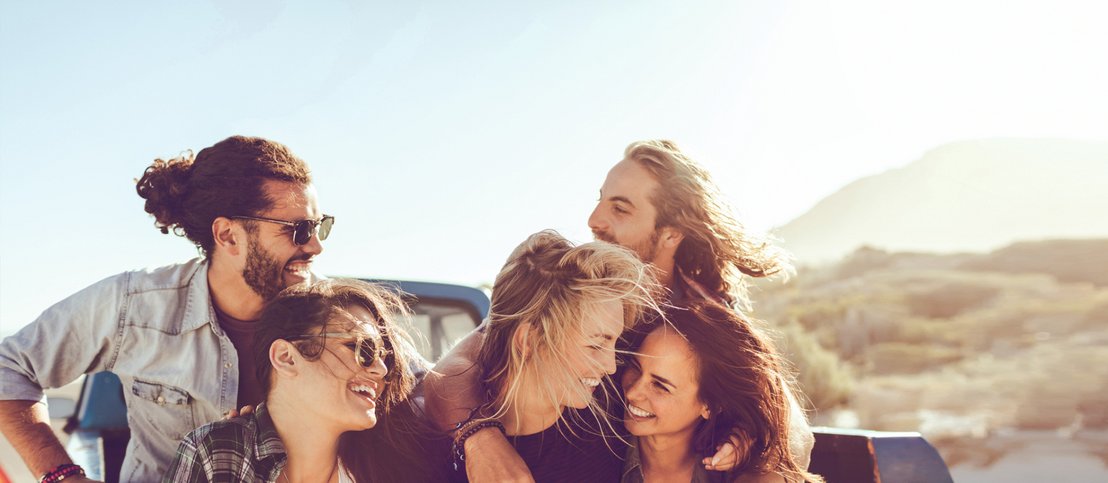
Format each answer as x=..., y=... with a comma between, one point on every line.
x=156, y=330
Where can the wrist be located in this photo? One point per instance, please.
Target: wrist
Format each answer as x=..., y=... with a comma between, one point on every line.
x=62, y=472
x=467, y=432
x=482, y=435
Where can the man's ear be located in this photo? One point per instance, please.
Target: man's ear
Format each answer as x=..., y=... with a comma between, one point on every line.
x=228, y=235
x=670, y=237
x=285, y=358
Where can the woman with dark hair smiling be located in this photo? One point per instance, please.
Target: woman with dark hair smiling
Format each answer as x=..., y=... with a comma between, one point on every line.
x=333, y=363
x=696, y=380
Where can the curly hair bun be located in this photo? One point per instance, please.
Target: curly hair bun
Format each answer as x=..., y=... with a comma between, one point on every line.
x=163, y=186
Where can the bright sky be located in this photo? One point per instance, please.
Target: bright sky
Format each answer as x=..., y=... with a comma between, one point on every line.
x=441, y=136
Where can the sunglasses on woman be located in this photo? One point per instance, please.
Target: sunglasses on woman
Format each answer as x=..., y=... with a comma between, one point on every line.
x=302, y=230
x=367, y=349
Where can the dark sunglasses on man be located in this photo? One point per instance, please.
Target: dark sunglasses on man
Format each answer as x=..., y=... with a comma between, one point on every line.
x=302, y=230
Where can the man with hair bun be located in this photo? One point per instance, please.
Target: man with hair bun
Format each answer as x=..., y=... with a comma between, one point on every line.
x=178, y=337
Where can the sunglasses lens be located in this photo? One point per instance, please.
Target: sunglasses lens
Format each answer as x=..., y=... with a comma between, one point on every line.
x=302, y=233
x=367, y=352
x=325, y=227
x=304, y=229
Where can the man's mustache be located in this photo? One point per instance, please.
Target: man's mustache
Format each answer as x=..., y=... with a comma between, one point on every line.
x=603, y=236
x=299, y=258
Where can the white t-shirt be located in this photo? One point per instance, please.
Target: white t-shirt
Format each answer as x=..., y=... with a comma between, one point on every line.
x=344, y=475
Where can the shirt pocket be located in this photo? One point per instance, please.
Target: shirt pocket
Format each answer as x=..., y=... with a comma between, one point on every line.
x=166, y=408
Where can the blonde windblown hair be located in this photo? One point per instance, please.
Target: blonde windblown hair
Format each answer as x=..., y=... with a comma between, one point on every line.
x=547, y=289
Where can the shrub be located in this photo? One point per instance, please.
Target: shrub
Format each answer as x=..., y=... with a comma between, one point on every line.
x=823, y=378
x=901, y=358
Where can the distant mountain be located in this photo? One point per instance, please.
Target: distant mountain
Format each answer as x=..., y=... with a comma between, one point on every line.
x=966, y=196
x=1067, y=261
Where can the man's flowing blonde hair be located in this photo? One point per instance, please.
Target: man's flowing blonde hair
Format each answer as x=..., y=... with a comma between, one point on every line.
x=717, y=250
x=547, y=289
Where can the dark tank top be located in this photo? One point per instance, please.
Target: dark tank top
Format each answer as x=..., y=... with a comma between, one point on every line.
x=589, y=453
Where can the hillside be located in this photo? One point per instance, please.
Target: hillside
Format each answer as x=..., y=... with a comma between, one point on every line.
x=966, y=196
x=977, y=351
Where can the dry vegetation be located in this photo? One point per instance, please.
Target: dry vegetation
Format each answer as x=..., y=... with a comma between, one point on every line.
x=960, y=347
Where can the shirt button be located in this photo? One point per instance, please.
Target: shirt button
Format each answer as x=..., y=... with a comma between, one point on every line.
x=227, y=365
x=161, y=399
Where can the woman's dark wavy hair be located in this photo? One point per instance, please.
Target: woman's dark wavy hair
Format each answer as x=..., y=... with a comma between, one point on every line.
x=187, y=193
x=743, y=382
x=398, y=447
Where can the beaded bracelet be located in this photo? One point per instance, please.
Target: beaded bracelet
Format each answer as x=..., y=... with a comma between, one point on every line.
x=470, y=428
x=469, y=419
x=62, y=472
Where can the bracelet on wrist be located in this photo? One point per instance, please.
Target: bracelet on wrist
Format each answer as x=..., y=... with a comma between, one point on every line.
x=62, y=472
x=470, y=428
x=469, y=419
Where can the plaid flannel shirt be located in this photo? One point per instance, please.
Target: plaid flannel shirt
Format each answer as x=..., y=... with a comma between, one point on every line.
x=246, y=448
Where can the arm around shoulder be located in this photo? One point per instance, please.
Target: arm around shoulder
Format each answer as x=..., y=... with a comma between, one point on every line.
x=453, y=388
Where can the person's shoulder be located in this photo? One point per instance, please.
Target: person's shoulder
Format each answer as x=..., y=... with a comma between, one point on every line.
x=234, y=433
x=168, y=277
x=220, y=451
x=106, y=295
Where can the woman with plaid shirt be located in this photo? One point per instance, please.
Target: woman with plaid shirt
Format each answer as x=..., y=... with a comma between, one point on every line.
x=333, y=363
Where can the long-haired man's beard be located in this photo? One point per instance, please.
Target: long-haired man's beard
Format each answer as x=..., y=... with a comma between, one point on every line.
x=645, y=249
x=263, y=273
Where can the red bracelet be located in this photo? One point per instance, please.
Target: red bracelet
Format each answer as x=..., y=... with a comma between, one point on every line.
x=62, y=472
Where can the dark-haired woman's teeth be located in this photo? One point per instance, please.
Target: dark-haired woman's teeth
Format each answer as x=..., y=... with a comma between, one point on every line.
x=639, y=412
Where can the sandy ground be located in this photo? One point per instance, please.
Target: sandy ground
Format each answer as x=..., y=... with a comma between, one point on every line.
x=1044, y=456
x=1041, y=462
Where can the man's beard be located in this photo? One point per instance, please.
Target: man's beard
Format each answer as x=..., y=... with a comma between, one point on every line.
x=646, y=250
x=263, y=273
